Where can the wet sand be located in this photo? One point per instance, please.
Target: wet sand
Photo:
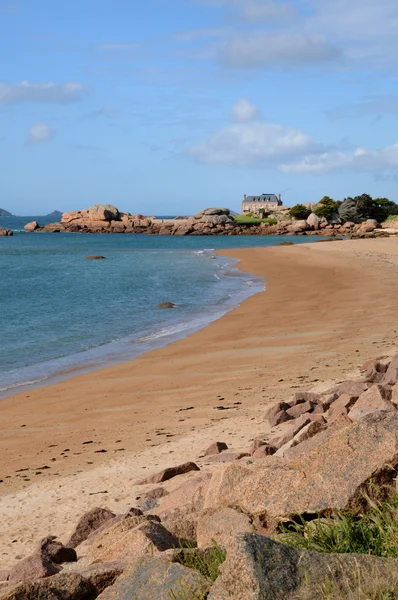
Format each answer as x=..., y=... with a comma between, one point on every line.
x=82, y=442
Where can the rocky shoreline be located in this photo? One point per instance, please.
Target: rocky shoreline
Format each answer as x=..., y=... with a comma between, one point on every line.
x=211, y=221
x=323, y=453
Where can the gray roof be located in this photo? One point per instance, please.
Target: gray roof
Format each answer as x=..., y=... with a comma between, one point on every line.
x=262, y=198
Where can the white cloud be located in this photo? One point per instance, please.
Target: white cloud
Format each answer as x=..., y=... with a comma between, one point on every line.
x=41, y=92
x=360, y=159
x=243, y=110
x=39, y=132
x=288, y=50
x=252, y=144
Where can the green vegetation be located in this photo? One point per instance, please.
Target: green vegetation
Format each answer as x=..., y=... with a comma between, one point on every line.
x=250, y=220
x=373, y=530
x=300, y=212
x=205, y=561
x=392, y=218
x=365, y=207
x=326, y=207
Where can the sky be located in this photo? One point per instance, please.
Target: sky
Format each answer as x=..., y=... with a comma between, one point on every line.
x=172, y=106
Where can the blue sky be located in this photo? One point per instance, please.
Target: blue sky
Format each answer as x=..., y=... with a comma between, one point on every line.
x=170, y=106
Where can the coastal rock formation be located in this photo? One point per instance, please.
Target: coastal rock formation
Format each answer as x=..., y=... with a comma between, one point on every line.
x=88, y=523
x=166, y=305
x=5, y=213
x=105, y=218
x=169, y=473
x=32, y=226
x=6, y=232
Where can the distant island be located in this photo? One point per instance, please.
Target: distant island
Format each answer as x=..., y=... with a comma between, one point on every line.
x=5, y=213
x=56, y=214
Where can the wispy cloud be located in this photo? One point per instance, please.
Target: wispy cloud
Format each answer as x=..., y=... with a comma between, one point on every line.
x=39, y=132
x=105, y=111
x=370, y=105
x=41, y=92
x=262, y=49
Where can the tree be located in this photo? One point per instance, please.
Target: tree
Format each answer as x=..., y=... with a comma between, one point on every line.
x=364, y=207
x=299, y=211
x=326, y=207
x=386, y=208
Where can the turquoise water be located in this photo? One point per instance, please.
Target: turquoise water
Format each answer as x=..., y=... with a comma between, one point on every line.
x=59, y=311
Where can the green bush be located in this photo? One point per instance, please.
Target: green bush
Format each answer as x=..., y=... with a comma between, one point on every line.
x=326, y=207
x=299, y=211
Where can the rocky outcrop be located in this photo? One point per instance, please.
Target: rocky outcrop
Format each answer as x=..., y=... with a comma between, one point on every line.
x=105, y=218
x=88, y=523
x=258, y=568
x=169, y=473
x=32, y=226
x=5, y=213
x=6, y=232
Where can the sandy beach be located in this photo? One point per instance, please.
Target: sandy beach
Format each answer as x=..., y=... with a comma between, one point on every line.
x=83, y=442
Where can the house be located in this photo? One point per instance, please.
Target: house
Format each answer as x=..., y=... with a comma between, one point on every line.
x=266, y=202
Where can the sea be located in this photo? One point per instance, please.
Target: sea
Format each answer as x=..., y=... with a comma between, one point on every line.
x=61, y=314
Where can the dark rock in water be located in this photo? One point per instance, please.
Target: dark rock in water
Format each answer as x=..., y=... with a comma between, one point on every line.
x=166, y=305
x=286, y=244
x=150, y=579
x=95, y=257
x=257, y=568
x=6, y=232
x=5, y=213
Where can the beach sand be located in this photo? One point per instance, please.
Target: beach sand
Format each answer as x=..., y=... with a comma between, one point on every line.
x=83, y=442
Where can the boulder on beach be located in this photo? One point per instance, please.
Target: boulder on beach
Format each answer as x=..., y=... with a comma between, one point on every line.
x=104, y=212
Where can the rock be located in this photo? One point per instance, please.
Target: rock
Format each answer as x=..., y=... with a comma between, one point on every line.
x=150, y=500
x=95, y=258
x=32, y=226
x=35, y=566
x=166, y=305
x=298, y=226
x=228, y=457
x=374, y=399
x=6, y=232
x=221, y=525
x=300, y=409
x=304, y=434
x=391, y=375
x=64, y=586
x=341, y=406
x=329, y=475
x=215, y=448
x=314, y=221
x=290, y=431
x=126, y=539
x=263, y=451
x=151, y=579
x=102, y=575
x=280, y=417
x=258, y=442
x=169, y=473
x=353, y=388
x=57, y=552
x=212, y=211
x=258, y=568
x=103, y=212
x=88, y=523
x=301, y=397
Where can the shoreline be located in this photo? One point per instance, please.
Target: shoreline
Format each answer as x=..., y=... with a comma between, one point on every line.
x=327, y=309
x=134, y=345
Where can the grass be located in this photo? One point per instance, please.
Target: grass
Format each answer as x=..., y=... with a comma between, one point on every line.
x=391, y=218
x=207, y=562
x=372, y=530
x=248, y=220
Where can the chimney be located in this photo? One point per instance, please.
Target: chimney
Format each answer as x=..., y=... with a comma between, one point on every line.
x=279, y=197
x=244, y=196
